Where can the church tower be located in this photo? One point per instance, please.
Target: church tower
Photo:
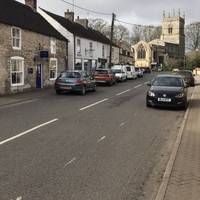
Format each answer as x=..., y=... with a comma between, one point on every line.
x=173, y=30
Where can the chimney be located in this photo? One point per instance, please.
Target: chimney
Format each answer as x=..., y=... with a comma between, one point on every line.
x=69, y=15
x=32, y=4
x=82, y=22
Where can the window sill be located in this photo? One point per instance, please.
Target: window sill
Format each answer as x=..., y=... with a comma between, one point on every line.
x=16, y=48
x=16, y=85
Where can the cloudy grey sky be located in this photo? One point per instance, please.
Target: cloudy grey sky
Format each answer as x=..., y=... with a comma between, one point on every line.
x=148, y=12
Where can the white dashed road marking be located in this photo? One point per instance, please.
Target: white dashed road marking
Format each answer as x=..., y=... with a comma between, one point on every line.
x=70, y=162
x=94, y=104
x=122, y=124
x=122, y=92
x=26, y=132
x=137, y=86
x=102, y=138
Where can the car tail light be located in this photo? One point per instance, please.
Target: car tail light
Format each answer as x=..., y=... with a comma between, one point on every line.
x=79, y=81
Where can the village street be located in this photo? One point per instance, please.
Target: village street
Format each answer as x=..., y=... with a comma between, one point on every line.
x=105, y=145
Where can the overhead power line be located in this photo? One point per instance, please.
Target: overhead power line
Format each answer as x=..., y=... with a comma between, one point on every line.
x=86, y=9
x=145, y=26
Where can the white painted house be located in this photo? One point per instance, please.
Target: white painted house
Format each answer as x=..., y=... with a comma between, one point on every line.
x=88, y=48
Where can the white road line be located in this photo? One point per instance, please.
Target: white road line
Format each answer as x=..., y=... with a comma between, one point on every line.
x=146, y=82
x=94, y=104
x=19, y=198
x=102, y=138
x=122, y=124
x=26, y=132
x=70, y=162
x=123, y=92
x=137, y=86
x=18, y=103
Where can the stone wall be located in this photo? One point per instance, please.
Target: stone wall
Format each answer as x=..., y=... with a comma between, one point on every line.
x=32, y=43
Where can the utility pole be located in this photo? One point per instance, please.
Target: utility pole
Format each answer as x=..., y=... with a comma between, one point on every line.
x=111, y=39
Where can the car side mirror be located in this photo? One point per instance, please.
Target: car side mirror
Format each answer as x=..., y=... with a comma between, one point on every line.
x=149, y=84
x=186, y=85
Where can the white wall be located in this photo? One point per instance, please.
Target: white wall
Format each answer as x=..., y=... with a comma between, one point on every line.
x=65, y=33
x=97, y=50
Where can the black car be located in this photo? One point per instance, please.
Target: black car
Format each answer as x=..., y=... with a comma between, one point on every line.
x=167, y=90
x=188, y=76
x=77, y=81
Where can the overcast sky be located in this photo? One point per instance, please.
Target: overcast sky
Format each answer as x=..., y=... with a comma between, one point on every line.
x=148, y=12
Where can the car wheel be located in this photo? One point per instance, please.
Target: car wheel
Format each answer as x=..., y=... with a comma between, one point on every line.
x=58, y=92
x=95, y=88
x=83, y=90
x=184, y=107
x=148, y=105
x=110, y=83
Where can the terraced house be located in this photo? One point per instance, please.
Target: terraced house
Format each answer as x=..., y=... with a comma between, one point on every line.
x=88, y=48
x=32, y=52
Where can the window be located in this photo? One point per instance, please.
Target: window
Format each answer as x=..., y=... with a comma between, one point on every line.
x=53, y=68
x=53, y=45
x=78, y=64
x=103, y=51
x=78, y=46
x=141, y=54
x=16, y=38
x=170, y=30
x=17, y=71
x=91, y=46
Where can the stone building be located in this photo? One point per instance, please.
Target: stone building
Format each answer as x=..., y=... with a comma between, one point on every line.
x=168, y=50
x=32, y=52
x=125, y=54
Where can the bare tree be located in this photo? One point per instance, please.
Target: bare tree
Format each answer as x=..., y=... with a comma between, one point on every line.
x=121, y=33
x=146, y=33
x=193, y=36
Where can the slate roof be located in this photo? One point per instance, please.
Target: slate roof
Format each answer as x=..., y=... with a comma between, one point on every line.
x=17, y=14
x=79, y=30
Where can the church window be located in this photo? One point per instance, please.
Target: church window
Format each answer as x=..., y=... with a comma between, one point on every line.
x=141, y=54
x=170, y=30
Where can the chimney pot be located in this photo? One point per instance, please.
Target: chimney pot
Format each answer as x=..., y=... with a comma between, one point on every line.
x=32, y=4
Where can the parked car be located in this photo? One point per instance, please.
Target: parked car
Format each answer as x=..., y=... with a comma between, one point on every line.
x=139, y=72
x=105, y=76
x=131, y=72
x=188, y=76
x=120, y=72
x=72, y=80
x=167, y=90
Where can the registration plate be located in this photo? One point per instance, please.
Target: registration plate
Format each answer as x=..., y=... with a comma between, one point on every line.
x=66, y=87
x=164, y=99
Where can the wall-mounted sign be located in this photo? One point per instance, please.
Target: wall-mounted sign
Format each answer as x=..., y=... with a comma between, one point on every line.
x=44, y=54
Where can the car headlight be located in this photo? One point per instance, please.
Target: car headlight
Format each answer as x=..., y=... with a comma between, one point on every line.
x=181, y=95
x=151, y=94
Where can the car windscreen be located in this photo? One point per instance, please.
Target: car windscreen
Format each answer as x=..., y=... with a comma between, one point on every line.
x=70, y=75
x=184, y=73
x=128, y=69
x=101, y=72
x=116, y=70
x=168, y=82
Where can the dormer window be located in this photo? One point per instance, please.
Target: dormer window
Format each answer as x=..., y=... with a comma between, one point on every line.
x=53, y=45
x=16, y=38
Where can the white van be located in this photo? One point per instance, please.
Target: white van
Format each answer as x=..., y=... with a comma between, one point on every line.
x=120, y=72
x=130, y=71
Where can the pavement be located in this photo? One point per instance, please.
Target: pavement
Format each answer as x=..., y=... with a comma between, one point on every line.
x=184, y=179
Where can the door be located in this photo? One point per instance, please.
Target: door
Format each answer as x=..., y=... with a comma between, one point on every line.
x=39, y=76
